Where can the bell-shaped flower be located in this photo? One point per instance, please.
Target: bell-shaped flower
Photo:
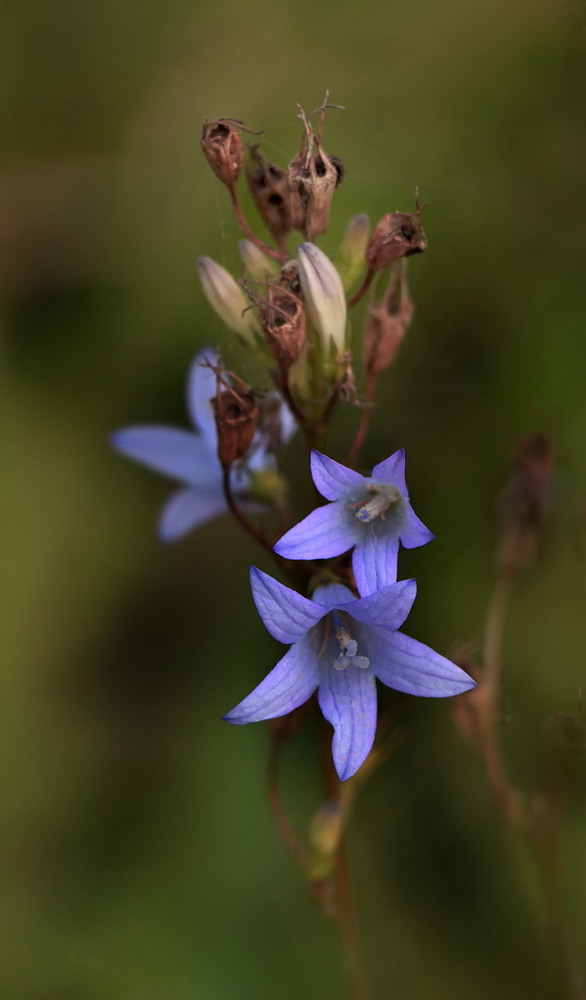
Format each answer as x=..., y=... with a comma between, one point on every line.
x=340, y=646
x=324, y=297
x=191, y=456
x=369, y=514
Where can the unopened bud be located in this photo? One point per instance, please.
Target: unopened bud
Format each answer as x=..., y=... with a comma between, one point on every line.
x=325, y=834
x=399, y=234
x=259, y=266
x=387, y=322
x=227, y=299
x=236, y=413
x=324, y=297
x=223, y=149
x=352, y=250
x=524, y=502
x=269, y=188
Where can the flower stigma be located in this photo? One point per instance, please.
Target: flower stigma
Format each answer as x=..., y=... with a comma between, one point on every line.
x=348, y=647
x=381, y=498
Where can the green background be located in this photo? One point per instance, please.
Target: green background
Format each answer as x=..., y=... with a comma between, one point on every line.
x=141, y=862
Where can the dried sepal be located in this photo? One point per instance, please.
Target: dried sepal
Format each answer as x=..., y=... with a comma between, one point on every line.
x=269, y=188
x=282, y=317
x=387, y=321
x=396, y=235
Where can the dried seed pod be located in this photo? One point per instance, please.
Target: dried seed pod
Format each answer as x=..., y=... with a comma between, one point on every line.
x=524, y=502
x=283, y=321
x=387, y=322
x=269, y=188
x=236, y=414
x=313, y=178
x=223, y=149
x=397, y=235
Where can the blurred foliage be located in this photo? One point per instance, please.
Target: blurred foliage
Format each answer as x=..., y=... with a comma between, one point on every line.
x=141, y=861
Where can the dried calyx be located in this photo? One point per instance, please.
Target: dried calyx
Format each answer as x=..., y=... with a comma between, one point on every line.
x=313, y=177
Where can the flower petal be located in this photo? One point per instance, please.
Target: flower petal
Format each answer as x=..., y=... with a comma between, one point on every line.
x=374, y=562
x=388, y=608
x=392, y=470
x=414, y=533
x=286, y=615
x=322, y=534
x=289, y=684
x=170, y=450
x=333, y=595
x=201, y=389
x=409, y=666
x=331, y=478
x=187, y=509
x=347, y=699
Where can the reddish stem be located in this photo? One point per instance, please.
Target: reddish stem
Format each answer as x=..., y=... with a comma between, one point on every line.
x=363, y=288
x=279, y=255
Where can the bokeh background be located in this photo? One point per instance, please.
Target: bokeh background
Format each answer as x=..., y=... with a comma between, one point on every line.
x=141, y=862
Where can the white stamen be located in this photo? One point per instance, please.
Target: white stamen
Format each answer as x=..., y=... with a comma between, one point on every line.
x=348, y=651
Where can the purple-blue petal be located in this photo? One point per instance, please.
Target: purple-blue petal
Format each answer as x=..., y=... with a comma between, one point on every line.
x=187, y=509
x=414, y=533
x=172, y=451
x=332, y=479
x=409, y=666
x=322, y=534
x=201, y=388
x=333, y=595
x=387, y=608
x=347, y=699
x=374, y=562
x=392, y=471
x=286, y=615
x=289, y=684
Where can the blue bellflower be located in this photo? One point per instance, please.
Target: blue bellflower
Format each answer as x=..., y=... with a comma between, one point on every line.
x=339, y=646
x=370, y=514
x=191, y=457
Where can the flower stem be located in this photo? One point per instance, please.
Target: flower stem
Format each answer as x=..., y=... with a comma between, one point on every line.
x=278, y=255
x=288, y=835
x=356, y=447
x=362, y=290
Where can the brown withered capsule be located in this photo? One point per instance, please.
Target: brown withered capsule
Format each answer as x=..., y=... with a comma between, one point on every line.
x=387, y=322
x=397, y=235
x=524, y=502
x=313, y=178
x=236, y=413
x=283, y=321
x=223, y=149
x=269, y=188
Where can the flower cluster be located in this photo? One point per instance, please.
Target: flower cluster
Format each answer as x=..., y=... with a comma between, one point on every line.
x=290, y=311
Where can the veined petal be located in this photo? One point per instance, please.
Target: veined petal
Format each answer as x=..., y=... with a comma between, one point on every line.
x=187, y=509
x=201, y=389
x=333, y=595
x=286, y=615
x=322, y=534
x=415, y=533
x=374, y=562
x=170, y=450
x=289, y=684
x=409, y=666
x=347, y=699
x=331, y=478
x=392, y=470
x=388, y=608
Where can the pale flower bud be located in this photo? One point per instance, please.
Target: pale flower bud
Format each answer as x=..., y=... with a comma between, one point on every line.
x=227, y=299
x=324, y=296
x=258, y=265
x=351, y=256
